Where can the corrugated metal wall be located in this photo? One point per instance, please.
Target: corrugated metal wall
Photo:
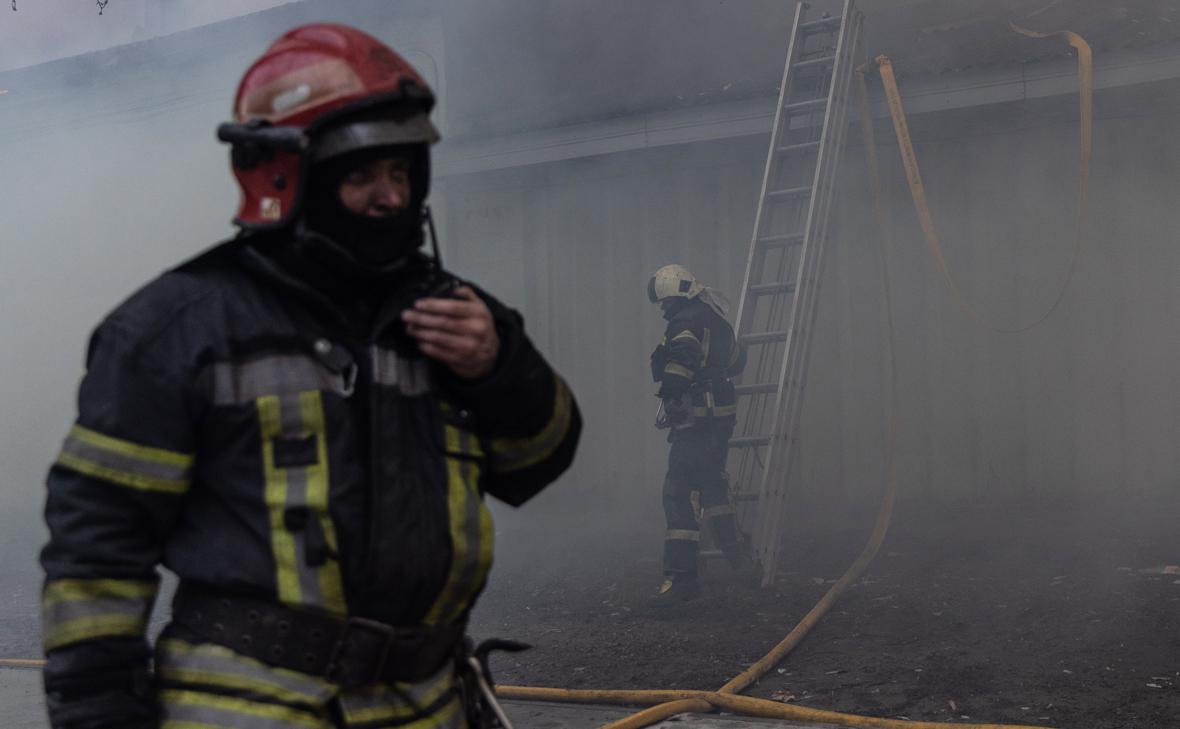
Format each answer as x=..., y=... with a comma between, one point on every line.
x=1083, y=404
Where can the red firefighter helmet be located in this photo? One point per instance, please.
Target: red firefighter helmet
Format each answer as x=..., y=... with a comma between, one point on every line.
x=319, y=91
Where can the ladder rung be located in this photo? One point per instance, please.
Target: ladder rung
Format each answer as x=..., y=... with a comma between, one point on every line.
x=749, y=441
x=797, y=148
x=790, y=192
x=772, y=288
x=761, y=388
x=806, y=105
x=818, y=26
x=780, y=241
x=764, y=337
x=821, y=61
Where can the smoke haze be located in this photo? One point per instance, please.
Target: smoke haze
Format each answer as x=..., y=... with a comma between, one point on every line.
x=110, y=173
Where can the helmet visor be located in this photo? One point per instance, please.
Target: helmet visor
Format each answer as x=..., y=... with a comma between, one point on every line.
x=358, y=135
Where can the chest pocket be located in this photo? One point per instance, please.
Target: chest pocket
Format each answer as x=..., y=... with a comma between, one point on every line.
x=470, y=522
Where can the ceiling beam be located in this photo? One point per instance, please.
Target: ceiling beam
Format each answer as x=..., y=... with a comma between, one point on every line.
x=754, y=116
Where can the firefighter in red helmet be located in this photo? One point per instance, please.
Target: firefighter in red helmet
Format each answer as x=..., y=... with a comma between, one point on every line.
x=300, y=424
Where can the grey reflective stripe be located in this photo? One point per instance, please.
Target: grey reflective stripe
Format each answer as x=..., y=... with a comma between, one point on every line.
x=382, y=702
x=291, y=416
x=717, y=511
x=192, y=708
x=125, y=463
x=682, y=535
x=409, y=376
x=56, y=614
x=181, y=662
x=239, y=383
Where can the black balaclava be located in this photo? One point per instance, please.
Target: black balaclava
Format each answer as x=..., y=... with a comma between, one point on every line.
x=358, y=246
x=671, y=306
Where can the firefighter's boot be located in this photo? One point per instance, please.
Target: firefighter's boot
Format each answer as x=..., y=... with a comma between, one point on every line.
x=676, y=589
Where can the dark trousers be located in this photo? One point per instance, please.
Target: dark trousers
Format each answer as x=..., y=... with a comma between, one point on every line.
x=696, y=462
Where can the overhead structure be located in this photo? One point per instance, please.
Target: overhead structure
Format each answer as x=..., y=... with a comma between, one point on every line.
x=777, y=305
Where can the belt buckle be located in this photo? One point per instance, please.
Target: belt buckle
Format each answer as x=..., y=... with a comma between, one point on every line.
x=360, y=625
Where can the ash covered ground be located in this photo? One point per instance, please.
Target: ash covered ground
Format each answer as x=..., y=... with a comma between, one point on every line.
x=1039, y=615
x=1046, y=616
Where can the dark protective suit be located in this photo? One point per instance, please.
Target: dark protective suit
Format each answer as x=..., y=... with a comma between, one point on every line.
x=261, y=439
x=694, y=365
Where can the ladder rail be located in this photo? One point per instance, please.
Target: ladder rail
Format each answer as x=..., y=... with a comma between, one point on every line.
x=783, y=92
x=755, y=413
x=776, y=313
x=778, y=471
x=796, y=361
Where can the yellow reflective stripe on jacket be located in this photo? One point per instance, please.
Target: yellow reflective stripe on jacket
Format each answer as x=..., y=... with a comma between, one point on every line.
x=686, y=335
x=705, y=347
x=673, y=368
x=712, y=511
x=470, y=527
x=183, y=709
x=716, y=411
x=299, y=583
x=399, y=700
x=685, y=535
x=126, y=463
x=74, y=610
x=512, y=454
x=205, y=664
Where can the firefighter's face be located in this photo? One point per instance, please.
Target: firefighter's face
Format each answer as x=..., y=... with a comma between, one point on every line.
x=378, y=188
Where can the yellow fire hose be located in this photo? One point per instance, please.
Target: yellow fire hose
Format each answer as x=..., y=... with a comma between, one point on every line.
x=21, y=663
x=910, y=162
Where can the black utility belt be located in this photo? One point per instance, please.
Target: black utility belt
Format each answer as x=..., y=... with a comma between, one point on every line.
x=350, y=652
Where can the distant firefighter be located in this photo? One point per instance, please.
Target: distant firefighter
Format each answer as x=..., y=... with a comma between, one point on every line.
x=301, y=424
x=694, y=366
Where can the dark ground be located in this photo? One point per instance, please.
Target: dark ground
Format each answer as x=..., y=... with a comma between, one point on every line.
x=1049, y=617
x=1035, y=615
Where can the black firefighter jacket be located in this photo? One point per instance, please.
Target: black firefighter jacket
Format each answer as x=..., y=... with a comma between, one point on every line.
x=699, y=356
x=237, y=427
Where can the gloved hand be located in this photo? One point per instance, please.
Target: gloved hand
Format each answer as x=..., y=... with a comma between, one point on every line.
x=678, y=411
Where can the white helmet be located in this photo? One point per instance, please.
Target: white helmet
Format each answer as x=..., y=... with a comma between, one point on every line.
x=673, y=281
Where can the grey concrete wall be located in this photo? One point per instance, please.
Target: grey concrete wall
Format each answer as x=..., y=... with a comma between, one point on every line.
x=1082, y=405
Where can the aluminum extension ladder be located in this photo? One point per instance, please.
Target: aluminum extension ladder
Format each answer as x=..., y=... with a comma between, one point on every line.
x=777, y=307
